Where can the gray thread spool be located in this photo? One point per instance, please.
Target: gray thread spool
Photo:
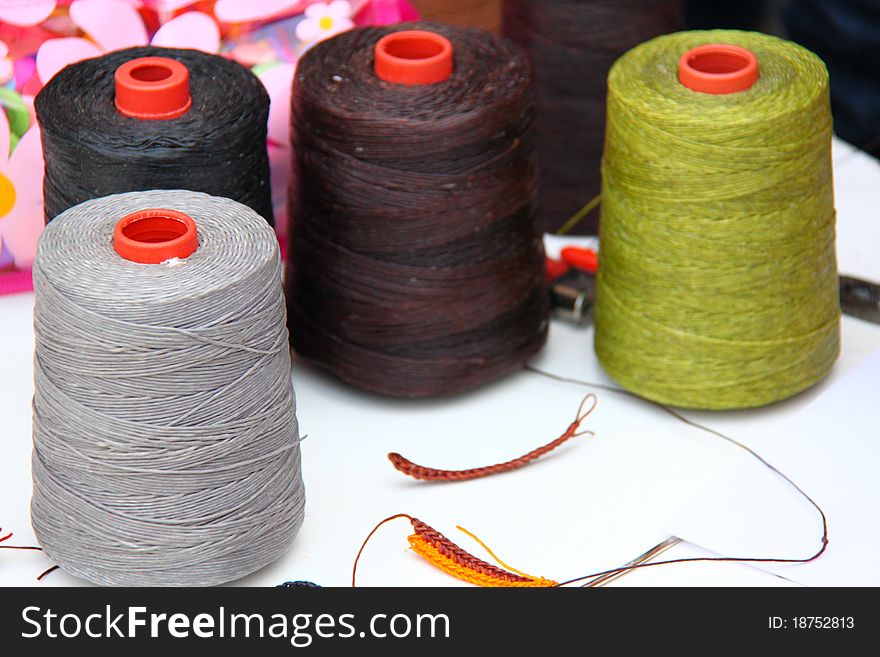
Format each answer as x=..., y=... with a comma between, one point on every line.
x=166, y=448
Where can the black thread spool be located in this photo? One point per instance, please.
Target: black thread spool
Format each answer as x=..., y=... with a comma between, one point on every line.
x=572, y=45
x=182, y=119
x=416, y=259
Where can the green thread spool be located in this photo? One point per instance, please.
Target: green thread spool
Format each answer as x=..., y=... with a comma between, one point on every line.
x=717, y=286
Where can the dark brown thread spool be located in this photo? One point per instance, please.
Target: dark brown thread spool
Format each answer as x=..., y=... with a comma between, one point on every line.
x=572, y=44
x=416, y=260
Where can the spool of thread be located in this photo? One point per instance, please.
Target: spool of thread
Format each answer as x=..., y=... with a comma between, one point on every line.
x=484, y=14
x=154, y=118
x=166, y=448
x=416, y=264
x=572, y=45
x=717, y=286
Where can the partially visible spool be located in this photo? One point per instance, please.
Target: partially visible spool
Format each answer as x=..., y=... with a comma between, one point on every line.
x=572, y=44
x=717, y=286
x=416, y=260
x=484, y=14
x=154, y=118
x=166, y=449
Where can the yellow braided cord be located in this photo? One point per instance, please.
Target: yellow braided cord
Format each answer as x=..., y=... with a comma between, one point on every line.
x=433, y=556
x=493, y=555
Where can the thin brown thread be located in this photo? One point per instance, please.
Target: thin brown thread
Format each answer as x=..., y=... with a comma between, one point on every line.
x=15, y=547
x=714, y=432
x=25, y=547
x=407, y=467
x=367, y=540
x=692, y=559
x=46, y=572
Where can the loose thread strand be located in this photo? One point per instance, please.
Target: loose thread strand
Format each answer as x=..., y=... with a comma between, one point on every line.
x=580, y=215
x=46, y=572
x=25, y=547
x=367, y=540
x=492, y=554
x=16, y=547
x=714, y=432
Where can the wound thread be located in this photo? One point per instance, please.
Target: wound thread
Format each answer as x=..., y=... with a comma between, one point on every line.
x=166, y=447
x=416, y=260
x=217, y=145
x=717, y=286
x=572, y=45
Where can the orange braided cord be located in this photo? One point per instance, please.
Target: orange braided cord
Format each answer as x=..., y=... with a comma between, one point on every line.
x=464, y=559
x=438, y=550
x=407, y=467
x=435, y=556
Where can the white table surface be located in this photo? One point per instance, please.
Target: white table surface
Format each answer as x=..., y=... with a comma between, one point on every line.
x=596, y=503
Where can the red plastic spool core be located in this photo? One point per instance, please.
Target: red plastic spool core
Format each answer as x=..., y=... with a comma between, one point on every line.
x=413, y=57
x=718, y=68
x=155, y=235
x=152, y=88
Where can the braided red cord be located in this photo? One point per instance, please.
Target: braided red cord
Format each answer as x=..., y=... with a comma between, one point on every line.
x=459, y=556
x=407, y=467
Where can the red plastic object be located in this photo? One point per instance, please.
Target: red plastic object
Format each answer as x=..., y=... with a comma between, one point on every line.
x=413, y=57
x=152, y=88
x=580, y=258
x=553, y=269
x=155, y=235
x=718, y=68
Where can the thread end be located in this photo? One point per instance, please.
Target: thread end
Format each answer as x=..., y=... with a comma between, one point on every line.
x=413, y=57
x=152, y=88
x=718, y=68
x=155, y=235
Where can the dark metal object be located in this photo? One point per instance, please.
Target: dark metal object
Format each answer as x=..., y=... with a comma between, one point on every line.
x=859, y=298
x=572, y=296
x=299, y=584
